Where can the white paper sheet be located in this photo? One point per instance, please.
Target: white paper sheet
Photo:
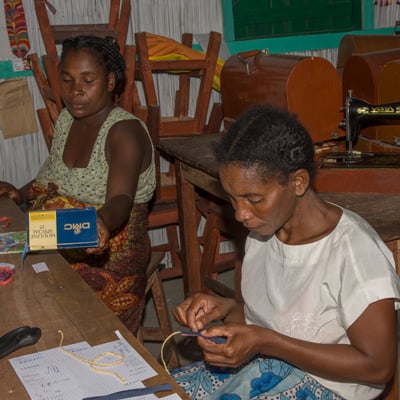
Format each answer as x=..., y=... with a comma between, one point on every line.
x=54, y=374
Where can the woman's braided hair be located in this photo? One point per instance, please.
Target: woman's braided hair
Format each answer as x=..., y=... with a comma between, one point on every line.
x=106, y=51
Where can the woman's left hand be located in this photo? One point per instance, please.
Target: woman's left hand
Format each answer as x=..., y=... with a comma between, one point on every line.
x=241, y=344
x=103, y=235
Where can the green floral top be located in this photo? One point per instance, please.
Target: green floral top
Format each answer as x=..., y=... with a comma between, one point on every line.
x=89, y=184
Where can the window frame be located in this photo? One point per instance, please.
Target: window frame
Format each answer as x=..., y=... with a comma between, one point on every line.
x=296, y=43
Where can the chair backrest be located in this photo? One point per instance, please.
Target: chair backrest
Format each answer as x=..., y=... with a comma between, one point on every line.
x=48, y=115
x=200, y=66
x=159, y=55
x=52, y=35
x=116, y=27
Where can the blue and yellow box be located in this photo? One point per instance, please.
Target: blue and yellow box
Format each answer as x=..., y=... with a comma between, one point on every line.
x=62, y=229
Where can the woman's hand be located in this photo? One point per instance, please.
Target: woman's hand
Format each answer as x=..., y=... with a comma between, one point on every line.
x=199, y=310
x=241, y=344
x=103, y=235
x=7, y=189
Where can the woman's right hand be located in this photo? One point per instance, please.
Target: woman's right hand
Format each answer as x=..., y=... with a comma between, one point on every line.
x=7, y=189
x=197, y=311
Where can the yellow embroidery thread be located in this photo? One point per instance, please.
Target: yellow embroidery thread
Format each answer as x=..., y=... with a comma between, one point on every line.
x=93, y=364
x=162, y=348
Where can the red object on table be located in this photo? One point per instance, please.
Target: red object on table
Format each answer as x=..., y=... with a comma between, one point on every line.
x=6, y=275
x=5, y=222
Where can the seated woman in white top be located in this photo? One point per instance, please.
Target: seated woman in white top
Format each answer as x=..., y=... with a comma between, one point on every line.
x=319, y=286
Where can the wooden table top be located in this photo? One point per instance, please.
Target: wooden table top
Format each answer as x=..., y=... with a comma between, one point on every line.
x=381, y=210
x=55, y=300
x=196, y=151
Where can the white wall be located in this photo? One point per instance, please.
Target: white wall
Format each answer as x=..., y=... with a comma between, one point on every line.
x=21, y=157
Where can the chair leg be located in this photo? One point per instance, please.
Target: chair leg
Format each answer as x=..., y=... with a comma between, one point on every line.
x=160, y=303
x=160, y=333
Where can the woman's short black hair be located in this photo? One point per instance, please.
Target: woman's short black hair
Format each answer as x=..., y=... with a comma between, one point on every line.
x=269, y=139
x=107, y=52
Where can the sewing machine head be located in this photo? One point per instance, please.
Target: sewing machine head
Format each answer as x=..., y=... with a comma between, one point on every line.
x=359, y=112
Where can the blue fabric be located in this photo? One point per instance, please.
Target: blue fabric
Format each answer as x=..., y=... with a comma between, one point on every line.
x=262, y=378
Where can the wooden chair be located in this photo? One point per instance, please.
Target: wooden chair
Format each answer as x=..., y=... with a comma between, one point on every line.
x=47, y=78
x=204, y=67
x=154, y=289
x=180, y=124
x=164, y=213
x=117, y=26
x=47, y=116
x=52, y=35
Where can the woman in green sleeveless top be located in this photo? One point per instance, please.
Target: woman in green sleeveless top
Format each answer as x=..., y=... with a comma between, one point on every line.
x=101, y=156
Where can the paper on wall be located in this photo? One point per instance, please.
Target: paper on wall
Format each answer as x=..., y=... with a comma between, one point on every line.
x=17, y=114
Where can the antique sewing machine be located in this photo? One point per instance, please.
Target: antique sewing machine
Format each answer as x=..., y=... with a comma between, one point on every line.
x=359, y=113
x=347, y=161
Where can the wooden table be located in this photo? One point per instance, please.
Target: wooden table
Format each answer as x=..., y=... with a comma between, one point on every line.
x=196, y=167
x=54, y=300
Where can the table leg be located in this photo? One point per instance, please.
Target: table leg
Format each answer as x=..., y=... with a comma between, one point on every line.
x=188, y=226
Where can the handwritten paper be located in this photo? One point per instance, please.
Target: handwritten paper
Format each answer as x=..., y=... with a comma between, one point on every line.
x=54, y=374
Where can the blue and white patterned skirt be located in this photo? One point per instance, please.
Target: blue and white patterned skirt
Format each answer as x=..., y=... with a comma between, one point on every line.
x=261, y=378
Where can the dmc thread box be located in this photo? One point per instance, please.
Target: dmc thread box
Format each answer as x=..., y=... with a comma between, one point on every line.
x=62, y=229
